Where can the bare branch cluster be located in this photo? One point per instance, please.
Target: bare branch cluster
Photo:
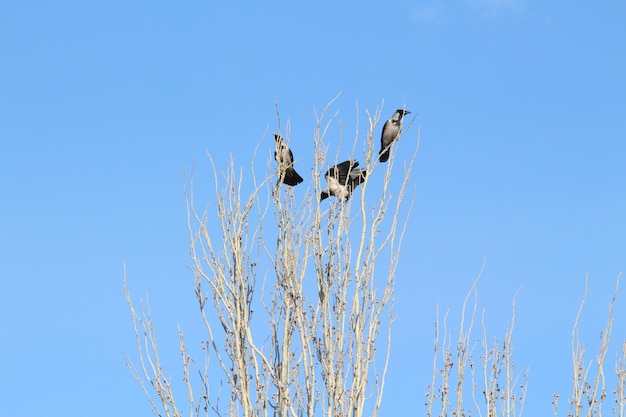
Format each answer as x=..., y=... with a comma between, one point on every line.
x=309, y=343
x=494, y=385
x=589, y=391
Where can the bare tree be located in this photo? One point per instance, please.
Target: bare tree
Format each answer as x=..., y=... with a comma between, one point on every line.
x=589, y=391
x=494, y=386
x=298, y=306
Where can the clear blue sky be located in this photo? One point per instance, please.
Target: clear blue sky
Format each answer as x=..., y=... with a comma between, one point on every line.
x=522, y=108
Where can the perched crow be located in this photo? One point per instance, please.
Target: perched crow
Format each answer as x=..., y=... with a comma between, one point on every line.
x=391, y=131
x=284, y=157
x=343, y=179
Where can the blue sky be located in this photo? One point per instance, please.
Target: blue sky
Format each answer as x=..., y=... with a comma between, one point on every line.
x=522, y=110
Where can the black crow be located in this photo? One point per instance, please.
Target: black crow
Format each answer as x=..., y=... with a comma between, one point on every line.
x=284, y=157
x=342, y=179
x=391, y=131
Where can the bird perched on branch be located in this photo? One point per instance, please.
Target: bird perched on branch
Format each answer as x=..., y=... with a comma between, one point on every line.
x=284, y=157
x=391, y=131
x=342, y=179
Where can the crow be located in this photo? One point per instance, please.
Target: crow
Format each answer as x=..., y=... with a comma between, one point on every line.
x=391, y=131
x=342, y=179
x=284, y=157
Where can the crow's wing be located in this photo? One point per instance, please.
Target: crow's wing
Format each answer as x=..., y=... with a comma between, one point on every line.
x=340, y=171
x=292, y=177
x=357, y=177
